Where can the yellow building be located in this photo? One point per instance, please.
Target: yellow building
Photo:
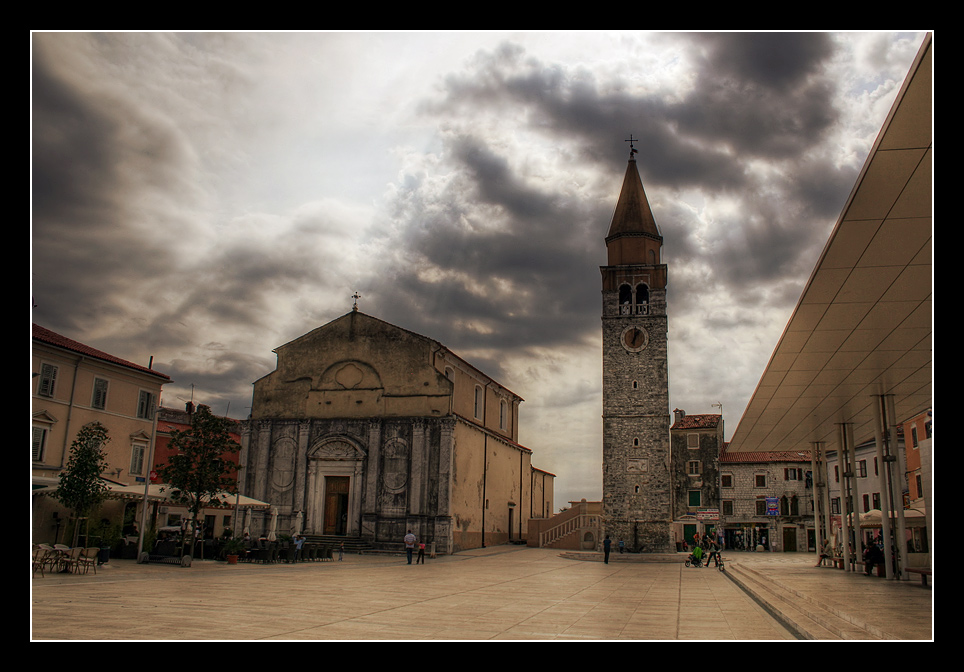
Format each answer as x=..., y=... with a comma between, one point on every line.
x=72, y=385
x=368, y=430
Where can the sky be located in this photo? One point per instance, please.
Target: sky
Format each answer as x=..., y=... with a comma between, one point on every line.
x=203, y=198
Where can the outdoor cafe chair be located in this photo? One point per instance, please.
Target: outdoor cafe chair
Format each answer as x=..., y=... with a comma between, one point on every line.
x=70, y=559
x=87, y=559
x=43, y=558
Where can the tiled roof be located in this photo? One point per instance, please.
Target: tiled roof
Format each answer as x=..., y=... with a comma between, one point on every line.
x=698, y=421
x=766, y=456
x=44, y=335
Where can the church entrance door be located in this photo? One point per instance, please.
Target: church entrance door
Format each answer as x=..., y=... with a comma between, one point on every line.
x=336, y=505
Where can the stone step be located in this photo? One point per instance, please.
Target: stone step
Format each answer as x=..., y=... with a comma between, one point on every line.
x=806, y=618
x=352, y=544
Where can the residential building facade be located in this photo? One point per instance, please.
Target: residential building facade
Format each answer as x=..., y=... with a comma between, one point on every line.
x=766, y=500
x=72, y=385
x=696, y=443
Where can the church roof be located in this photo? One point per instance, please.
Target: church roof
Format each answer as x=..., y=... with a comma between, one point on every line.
x=357, y=314
x=633, y=215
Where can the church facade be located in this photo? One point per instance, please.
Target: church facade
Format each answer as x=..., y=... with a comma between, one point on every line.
x=369, y=430
x=636, y=421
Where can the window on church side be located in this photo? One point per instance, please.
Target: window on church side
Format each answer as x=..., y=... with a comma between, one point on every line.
x=478, y=402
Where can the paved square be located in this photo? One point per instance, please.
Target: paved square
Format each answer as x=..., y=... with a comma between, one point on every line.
x=500, y=593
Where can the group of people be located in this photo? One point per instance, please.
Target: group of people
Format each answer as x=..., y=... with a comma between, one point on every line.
x=410, y=542
x=708, y=548
x=872, y=555
x=607, y=547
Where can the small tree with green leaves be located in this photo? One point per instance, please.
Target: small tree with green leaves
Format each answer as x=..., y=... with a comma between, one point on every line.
x=81, y=487
x=198, y=471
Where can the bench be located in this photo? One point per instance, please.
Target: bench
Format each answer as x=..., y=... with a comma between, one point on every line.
x=881, y=570
x=923, y=571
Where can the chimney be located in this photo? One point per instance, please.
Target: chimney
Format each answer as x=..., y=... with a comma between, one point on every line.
x=678, y=414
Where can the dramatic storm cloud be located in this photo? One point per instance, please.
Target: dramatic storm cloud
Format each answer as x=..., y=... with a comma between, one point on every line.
x=204, y=198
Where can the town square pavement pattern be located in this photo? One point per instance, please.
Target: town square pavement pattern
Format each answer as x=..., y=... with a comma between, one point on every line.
x=496, y=593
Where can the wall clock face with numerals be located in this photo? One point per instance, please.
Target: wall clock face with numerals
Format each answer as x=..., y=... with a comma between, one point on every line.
x=634, y=338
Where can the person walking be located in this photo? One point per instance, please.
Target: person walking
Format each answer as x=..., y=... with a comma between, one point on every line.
x=622, y=545
x=409, y=545
x=607, y=544
x=421, y=553
x=714, y=555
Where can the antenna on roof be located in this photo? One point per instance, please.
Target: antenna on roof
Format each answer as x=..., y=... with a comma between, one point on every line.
x=718, y=405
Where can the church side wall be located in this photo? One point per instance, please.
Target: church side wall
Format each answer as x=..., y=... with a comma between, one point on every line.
x=491, y=489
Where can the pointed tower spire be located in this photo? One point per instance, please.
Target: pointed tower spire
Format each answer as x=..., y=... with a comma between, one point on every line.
x=634, y=237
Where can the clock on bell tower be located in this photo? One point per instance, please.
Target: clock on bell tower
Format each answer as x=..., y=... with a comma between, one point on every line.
x=636, y=419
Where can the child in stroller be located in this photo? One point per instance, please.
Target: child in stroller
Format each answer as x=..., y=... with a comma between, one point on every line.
x=695, y=558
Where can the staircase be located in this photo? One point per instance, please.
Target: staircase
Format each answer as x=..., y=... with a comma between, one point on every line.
x=355, y=545
x=802, y=615
x=577, y=528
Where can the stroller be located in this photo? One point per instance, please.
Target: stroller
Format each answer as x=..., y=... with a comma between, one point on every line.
x=695, y=559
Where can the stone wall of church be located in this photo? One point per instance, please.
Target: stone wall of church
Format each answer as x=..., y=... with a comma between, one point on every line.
x=396, y=470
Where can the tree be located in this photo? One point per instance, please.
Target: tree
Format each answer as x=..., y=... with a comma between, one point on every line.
x=198, y=472
x=81, y=488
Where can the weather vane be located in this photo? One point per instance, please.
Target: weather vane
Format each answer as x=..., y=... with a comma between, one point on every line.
x=355, y=296
x=632, y=150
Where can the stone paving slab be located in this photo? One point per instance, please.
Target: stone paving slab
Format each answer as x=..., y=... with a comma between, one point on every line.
x=498, y=593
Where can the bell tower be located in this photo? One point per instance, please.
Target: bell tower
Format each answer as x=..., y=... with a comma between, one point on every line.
x=636, y=419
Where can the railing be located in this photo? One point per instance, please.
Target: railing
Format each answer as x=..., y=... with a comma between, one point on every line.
x=566, y=528
x=637, y=309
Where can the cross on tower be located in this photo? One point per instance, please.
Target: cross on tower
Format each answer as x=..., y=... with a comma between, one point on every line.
x=632, y=150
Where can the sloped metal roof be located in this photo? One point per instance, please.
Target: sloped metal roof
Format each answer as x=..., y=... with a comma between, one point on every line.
x=863, y=325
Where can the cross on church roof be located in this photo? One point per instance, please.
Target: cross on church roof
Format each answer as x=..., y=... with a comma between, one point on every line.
x=355, y=296
x=632, y=150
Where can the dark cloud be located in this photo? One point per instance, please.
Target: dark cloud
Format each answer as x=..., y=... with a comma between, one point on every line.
x=755, y=97
x=190, y=198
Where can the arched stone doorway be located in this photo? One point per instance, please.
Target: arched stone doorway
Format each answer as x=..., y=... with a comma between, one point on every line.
x=336, y=467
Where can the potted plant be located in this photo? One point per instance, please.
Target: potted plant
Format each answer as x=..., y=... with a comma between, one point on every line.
x=232, y=549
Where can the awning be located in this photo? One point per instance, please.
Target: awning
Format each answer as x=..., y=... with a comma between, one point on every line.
x=912, y=518
x=161, y=492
